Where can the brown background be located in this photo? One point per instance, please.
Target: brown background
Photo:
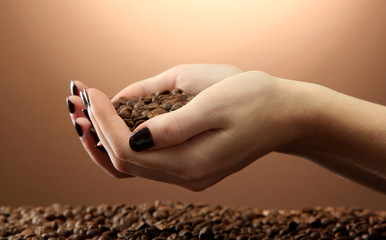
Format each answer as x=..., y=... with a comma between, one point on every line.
x=109, y=44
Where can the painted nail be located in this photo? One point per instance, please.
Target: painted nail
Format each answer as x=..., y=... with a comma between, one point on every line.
x=85, y=95
x=83, y=100
x=85, y=112
x=101, y=148
x=78, y=129
x=141, y=140
x=70, y=105
x=94, y=133
x=74, y=88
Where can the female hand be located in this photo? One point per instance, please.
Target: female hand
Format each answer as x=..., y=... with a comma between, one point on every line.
x=235, y=119
x=195, y=77
x=224, y=128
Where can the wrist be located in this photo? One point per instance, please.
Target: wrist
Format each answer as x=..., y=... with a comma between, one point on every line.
x=306, y=108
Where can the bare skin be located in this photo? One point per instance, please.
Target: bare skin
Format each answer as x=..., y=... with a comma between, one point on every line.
x=236, y=118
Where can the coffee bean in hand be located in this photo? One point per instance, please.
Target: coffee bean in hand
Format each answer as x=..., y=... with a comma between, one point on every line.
x=136, y=110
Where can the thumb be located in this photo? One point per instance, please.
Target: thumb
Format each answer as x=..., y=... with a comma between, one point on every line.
x=175, y=127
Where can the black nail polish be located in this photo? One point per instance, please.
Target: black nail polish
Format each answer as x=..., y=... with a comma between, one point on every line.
x=70, y=105
x=94, y=133
x=78, y=129
x=73, y=88
x=85, y=112
x=85, y=95
x=83, y=100
x=141, y=140
x=101, y=148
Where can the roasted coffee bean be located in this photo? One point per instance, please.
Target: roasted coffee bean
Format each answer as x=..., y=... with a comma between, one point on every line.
x=158, y=111
x=163, y=92
x=146, y=99
x=153, y=106
x=167, y=105
x=139, y=105
x=143, y=117
x=168, y=220
x=145, y=107
x=138, y=123
x=105, y=237
x=123, y=100
x=176, y=106
x=176, y=90
x=160, y=214
x=125, y=111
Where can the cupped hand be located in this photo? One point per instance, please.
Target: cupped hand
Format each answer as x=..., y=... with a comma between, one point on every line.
x=194, y=77
x=228, y=125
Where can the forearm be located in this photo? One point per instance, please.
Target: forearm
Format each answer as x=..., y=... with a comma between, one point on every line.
x=345, y=134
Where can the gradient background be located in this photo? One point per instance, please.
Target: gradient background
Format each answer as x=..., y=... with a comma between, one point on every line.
x=109, y=44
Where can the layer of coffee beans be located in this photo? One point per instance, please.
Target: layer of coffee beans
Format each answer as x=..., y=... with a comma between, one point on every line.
x=136, y=110
x=170, y=220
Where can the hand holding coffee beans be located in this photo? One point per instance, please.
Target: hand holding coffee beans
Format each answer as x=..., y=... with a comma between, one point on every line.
x=235, y=118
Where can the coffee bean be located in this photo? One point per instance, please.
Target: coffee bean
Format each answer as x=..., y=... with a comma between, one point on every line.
x=176, y=90
x=143, y=117
x=163, y=92
x=167, y=105
x=138, y=123
x=105, y=237
x=160, y=214
x=125, y=111
x=176, y=106
x=68, y=212
x=139, y=105
x=158, y=111
x=153, y=106
x=129, y=122
x=27, y=232
x=146, y=99
x=206, y=234
x=167, y=220
x=50, y=216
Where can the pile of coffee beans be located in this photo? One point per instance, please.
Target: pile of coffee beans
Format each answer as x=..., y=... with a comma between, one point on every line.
x=136, y=110
x=175, y=220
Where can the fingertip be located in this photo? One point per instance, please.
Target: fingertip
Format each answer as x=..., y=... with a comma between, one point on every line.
x=78, y=129
x=141, y=140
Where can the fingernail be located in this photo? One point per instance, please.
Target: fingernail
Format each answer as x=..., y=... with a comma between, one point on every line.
x=78, y=129
x=141, y=140
x=85, y=112
x=101, y=148
x=85, y=95
x=94, y=133
x=83, y=100
x=73, y=88
x=70, y=105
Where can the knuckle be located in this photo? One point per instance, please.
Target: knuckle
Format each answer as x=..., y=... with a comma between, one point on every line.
x=121, y=154
x=120, y=165
x=170, y=129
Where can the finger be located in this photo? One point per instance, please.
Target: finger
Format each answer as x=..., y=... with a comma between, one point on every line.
x=76, y=87
x=89, y=141
x=111, y=125
x=178, y=126
x=75, y=106
x=163, y=81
